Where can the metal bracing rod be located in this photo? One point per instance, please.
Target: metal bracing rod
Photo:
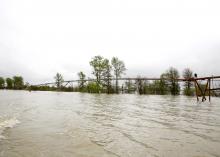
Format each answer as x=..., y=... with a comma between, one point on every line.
x=214, y=89
x=206, y=87
x=66, y=84
x=202, y=92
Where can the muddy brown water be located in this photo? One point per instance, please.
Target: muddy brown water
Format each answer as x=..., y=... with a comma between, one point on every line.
x=57, y=124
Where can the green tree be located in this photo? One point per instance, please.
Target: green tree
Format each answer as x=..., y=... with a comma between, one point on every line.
x=58, y=80
x=99, y=64
x=188, y=74
x=172, y=75
x=118, y=68
x=150, y=88
x=9, y=83
x=2, y=83
x=107, y=76
x=155, y=87
x=92, y=87
x=163, y=85
x=82, y=81
x=18, y=82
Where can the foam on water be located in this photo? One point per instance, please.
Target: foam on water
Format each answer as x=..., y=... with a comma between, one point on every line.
x=7, y=123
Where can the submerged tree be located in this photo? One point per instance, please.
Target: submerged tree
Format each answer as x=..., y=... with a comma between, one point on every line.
x=9, y=83
x=119, y=69
x=82, y=81
x=128, y=86
x=156, y=87
x=92, y=87
x=58, y=80
x=188, y=74
x=98, y=64
x=172, y=75
x=140, y=84
x=18, y=82
x=107, y=76
x=2, y=83
x=163, y=84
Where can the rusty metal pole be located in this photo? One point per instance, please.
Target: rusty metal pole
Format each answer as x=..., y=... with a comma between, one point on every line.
x=201, y=91
x=206, y=88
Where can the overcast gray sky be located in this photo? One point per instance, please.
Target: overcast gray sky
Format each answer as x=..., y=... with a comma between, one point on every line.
x=39, y=38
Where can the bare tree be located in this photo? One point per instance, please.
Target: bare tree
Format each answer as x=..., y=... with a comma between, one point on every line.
x=58, y=79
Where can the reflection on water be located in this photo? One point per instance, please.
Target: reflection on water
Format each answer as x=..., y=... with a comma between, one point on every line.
x=50, y=124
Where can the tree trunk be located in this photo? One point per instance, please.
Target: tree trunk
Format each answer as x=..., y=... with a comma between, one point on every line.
x=116, y=84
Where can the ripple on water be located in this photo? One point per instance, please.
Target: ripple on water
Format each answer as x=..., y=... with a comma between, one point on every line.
x=125, y=125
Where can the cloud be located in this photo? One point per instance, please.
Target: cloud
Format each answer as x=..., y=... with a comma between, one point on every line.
x=40, y=38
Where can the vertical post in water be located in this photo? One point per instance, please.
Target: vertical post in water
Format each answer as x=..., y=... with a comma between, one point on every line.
x=196, y=90
x=209, y=90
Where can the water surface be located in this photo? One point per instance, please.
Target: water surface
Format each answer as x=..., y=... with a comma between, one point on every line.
x=56, y=124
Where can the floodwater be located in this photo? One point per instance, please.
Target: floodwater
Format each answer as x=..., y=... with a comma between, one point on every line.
x=57, y=124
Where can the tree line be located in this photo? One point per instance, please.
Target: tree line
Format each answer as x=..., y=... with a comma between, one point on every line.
x=15, y=82
x=104, y=71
